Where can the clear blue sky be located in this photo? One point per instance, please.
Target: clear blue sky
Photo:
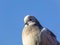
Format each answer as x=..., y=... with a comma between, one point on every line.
x=12, y=13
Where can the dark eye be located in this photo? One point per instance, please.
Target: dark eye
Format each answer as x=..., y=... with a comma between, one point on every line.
x=30, y=19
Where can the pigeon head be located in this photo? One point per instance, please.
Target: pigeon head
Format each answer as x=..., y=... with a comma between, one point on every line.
x=31, y=20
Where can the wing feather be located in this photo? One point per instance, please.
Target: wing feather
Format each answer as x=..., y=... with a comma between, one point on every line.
x=48, y=38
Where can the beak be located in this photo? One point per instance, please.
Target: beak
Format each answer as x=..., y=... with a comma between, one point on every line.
x=26, y=23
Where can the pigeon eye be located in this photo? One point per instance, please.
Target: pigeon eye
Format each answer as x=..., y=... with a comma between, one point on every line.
x=30, y=19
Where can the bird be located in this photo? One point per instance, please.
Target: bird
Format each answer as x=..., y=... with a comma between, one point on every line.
x=35, y=34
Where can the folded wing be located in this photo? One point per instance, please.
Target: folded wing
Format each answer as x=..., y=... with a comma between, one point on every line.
x=48, y=38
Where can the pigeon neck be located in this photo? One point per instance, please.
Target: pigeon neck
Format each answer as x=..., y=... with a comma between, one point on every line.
x=39, y=25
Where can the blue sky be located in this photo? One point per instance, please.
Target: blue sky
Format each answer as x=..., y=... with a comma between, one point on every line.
x=12, y=13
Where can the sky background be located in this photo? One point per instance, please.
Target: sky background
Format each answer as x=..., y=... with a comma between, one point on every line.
x=12, y=13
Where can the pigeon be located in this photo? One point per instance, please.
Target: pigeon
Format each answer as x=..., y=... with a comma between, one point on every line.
x=35, y=34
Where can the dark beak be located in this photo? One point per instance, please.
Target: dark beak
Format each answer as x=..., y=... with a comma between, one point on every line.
x=26, y=23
